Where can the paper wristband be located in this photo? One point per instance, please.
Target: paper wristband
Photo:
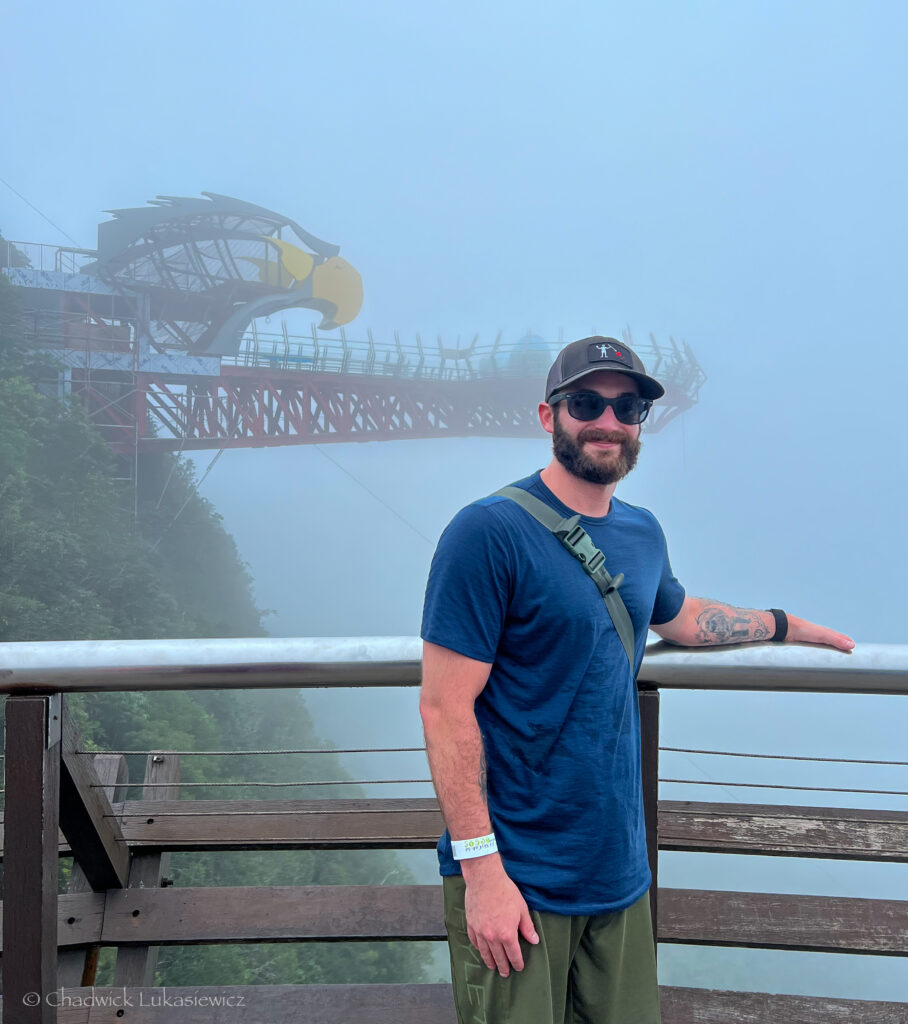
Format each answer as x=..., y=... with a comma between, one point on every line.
x=464, y=849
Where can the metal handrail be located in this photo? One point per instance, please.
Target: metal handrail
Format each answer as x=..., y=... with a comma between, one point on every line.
x=119, y=665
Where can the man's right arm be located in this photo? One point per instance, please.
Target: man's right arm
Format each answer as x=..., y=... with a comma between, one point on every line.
x=496, y=912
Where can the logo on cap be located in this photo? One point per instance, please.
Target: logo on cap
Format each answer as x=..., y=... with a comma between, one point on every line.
x=607, y=351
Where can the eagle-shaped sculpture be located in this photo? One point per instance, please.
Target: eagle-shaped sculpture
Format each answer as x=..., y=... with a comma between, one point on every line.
x=210, y=266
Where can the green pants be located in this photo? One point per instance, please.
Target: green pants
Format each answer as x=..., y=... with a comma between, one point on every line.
x=597, y=969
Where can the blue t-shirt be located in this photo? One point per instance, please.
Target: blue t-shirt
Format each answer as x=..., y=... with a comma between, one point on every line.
x=559, y=716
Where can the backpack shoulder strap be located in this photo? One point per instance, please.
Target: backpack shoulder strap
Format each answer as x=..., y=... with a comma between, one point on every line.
x=573, y=537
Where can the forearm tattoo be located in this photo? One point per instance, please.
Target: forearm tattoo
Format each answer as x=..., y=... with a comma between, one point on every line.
x=483, y=777
x=722, y=624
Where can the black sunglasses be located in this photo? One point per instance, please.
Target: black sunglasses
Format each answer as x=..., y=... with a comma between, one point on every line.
x=590, y=405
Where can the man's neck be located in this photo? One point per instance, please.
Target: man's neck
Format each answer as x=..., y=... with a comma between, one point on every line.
x=587, y=498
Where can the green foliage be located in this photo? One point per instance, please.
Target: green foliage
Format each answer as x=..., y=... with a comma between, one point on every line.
x=75, y=561
x=251, y=720
x=210, y=585
x=82, y=556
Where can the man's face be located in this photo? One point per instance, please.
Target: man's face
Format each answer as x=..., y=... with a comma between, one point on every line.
x=601, y=451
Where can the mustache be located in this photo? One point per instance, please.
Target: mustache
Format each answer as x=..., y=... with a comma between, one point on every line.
x=595, y=434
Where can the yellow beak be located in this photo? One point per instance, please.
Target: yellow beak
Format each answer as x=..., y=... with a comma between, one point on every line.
x=335, y=281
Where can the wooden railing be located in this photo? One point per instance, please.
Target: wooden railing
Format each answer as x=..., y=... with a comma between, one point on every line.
x=60, y=801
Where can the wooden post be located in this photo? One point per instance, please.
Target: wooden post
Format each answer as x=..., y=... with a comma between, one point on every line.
x=649, y=741
x=86, y=817
x=136, y=964
x=77, y=967
x=30, y=859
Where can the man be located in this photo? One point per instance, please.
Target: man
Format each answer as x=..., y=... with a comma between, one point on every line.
x=529, y=706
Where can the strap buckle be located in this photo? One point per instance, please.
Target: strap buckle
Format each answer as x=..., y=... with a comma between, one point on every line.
x=614, y=583
x=573, y=536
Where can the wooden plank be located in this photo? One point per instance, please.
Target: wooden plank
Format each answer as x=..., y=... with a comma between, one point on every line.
x=416, y=824
x=86, y=818
x=273, y=914
x=826, y=924
x=73, y=1014
x=79, y=966
x=252, y=1004
x=430, y=1004
x=402, y=824
x=702, y=1006
x=831, y=832
x=29, y=926
x=79, y=917
x=349, y=912
x=307, y=913
x=136, y=964
x=850, y=834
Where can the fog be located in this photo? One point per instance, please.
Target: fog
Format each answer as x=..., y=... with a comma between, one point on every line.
x=727, y=173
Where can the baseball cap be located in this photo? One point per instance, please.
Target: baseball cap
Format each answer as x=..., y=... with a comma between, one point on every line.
x=590, y=354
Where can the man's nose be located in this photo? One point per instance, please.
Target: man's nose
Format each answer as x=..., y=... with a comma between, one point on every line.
x=608, y=420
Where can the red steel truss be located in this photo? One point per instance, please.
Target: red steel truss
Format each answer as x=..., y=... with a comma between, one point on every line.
x=256, y=408
x=252, y=408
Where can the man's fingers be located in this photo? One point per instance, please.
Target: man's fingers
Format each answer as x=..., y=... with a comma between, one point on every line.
x=496, y=921
x=526, y=928
x=492, y=954
x=482, y=947
x=513, y=953
x=811, y=633
x=502, y=961
x=499, y=956
x=829, y=638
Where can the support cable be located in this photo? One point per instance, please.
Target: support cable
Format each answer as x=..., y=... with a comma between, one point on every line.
x=785, y=757
x=173, y=469
x=775, y=785
x=379, y=499
x=406, y=750
x=380, y=782
x=259, y=785
x=193, y=494
x=56, y=227
x=220, y=753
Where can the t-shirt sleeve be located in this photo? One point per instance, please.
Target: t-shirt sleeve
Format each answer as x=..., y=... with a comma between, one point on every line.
x=670, y=595
x=469, y=585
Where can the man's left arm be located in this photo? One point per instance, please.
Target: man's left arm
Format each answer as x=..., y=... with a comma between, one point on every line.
x=705, y=623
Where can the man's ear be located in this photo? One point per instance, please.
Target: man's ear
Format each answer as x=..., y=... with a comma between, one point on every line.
x=547, y=417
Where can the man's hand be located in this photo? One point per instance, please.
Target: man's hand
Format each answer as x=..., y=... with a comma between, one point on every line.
x=497, y=915
x=702, y=622
x=800, y=631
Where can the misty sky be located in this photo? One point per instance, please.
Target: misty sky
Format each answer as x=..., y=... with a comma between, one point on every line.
x=728, y=173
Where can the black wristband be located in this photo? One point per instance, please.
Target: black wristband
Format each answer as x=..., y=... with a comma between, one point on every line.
x=781, y=625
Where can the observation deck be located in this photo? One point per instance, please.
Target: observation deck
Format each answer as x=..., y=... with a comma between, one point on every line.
x=62, y=800
x=276, y=388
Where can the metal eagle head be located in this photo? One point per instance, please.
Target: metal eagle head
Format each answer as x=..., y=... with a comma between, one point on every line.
x=210, y=266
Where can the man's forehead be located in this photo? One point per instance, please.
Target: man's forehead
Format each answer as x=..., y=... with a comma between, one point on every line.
x=606, y=381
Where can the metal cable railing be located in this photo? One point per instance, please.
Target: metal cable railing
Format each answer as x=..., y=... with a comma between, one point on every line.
x=782, y=757
x=776, y=785
x=306, y=751
x=421, y=750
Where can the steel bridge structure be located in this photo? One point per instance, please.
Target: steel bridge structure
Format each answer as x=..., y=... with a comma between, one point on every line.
x=276, y=388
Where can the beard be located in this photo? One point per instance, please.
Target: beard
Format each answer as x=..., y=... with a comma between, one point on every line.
x=601, y=467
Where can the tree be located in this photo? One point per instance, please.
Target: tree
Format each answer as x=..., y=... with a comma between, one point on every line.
x=77, y=563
